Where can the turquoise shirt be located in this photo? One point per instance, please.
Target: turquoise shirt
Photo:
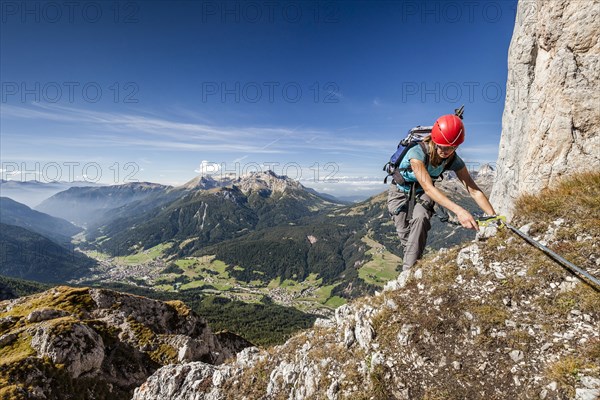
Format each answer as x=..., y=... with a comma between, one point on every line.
x=416, y=152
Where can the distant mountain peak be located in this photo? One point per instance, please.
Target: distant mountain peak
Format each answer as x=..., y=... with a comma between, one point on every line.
x=251, y=182
x=203, y=182
x=486, y=169
x=268, y=180
x=485, y=175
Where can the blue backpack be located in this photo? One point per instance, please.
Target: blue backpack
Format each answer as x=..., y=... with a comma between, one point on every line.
x=415, y=137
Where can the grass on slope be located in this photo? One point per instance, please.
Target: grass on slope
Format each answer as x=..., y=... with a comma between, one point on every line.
x=383, y=264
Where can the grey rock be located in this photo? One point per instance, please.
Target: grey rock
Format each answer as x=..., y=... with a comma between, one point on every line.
x=405, y=334
x=324, y=323
x=418, y=274
x=249, y=357
x=399, y=282
x=332, y=391
x=180, y=382
x=590, y=382
x=376, y=360
x=364, y=331
x=525, y=228
x=342, y=313
x=587, y=394
x=486, y=232
x=7, y=339
x=470, y=256
x=77, y=346
x=45, y=314
x=516, y=355
x=349, y=337
x=552, y=97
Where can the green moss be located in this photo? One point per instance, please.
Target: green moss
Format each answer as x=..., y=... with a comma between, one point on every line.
x=489, y=315
x=566, y=371
x=520, y=339
x=385, y=327
x=517, y=286
x=161, y=353
x=437, y=394
x=109, y=334
x=180, y=307
x=582, y=298
x=17, y=350
x=378, y=383
x=570, y=198
x=143, y=334
x=75, y=301
x=252, y=384
x=164, y=354
x=592, y=351
x=61, y=326
x=442, y=272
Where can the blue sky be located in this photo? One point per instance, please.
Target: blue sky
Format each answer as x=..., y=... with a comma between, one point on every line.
x=321, y=91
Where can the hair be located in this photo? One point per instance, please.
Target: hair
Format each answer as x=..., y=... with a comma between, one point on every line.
x=434, y=158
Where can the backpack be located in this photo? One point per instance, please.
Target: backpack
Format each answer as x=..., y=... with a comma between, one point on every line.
x=415, y=137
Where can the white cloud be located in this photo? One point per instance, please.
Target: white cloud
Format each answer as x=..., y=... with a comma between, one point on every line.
x=16, y=172
x=208, y=168
x=154, y=132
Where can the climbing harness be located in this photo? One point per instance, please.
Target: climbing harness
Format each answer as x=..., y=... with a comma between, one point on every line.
x=500, y=221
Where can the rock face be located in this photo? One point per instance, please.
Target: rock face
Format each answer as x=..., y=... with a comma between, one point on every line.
x=551, y=121
x=196, y=380
x=98, y=343
x=78, y=347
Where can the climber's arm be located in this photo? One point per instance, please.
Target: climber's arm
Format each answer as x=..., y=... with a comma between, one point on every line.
x=475, y=192
x=464, y=217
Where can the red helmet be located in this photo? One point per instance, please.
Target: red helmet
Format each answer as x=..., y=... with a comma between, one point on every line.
x=448, y=130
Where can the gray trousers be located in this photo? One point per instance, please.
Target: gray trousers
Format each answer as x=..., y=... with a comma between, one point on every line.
x=413, y=233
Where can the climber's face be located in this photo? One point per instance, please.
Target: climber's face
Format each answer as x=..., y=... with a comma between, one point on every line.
x=445, y=151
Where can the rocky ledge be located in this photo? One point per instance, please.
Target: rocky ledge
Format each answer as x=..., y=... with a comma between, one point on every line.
x=81, y=343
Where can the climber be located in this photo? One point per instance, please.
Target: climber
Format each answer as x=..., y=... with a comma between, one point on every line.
x=411, y=202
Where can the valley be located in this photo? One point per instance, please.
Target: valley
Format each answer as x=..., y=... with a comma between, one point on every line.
x=153, y=269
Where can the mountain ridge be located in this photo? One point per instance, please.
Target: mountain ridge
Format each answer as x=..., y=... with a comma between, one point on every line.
x=25, y=254
x=85, y=205
x=56, y=229
x=211, y=213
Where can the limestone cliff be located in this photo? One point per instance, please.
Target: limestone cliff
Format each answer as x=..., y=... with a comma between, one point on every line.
x=551, y=121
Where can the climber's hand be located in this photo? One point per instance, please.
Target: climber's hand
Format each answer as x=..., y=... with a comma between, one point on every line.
x=466, y=220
